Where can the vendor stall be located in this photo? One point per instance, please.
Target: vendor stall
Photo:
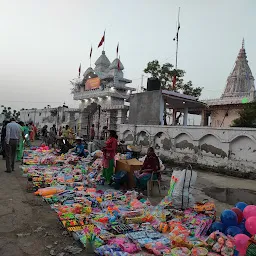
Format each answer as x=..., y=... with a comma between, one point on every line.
x=111, y=222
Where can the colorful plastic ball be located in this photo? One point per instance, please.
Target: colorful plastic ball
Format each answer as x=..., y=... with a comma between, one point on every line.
x=241, y=242
x=250, y=225
x=242, y=226
x=239, y=214
x=233, y=231
x=217, y=226
x=249, y=211
x=228, y=218
x=241, y=205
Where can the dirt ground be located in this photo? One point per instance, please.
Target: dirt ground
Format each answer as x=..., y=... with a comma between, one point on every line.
x=29, y=227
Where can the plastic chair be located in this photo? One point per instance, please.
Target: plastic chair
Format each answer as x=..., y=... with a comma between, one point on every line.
x=151, y=182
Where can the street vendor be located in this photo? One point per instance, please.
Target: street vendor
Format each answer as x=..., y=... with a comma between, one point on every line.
x=63, y=145
x=79, y=149
x=109, y=152
x=150, y=165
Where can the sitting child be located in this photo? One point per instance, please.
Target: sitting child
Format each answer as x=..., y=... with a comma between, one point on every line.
x=79, y=149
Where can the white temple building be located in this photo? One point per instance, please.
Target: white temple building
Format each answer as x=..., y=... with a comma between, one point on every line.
x=102, y=93
x=239, y=90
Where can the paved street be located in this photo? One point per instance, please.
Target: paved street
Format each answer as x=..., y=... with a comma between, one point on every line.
x=29, y=227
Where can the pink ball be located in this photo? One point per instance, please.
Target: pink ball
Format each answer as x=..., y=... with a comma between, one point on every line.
x=250, y=225
x=249, y=211
x=241, y=243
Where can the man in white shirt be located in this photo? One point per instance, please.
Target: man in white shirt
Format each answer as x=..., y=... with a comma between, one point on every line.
x=13, y=135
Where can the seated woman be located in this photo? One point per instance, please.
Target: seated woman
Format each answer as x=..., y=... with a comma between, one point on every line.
x=63, y=145
x=79, y=149
x=151, y=164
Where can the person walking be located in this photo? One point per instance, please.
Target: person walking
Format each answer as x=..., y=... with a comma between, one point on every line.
x=45, y=134
x=13, y=136
x=3, y=135
x=26, y=132
x=20, y=148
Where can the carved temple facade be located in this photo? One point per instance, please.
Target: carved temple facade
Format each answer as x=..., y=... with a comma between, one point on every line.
x=102, y=93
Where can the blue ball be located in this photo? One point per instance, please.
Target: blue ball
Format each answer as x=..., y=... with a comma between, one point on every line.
x=233, y=231
x=242, y=226
x=217, y=226
x=229, y=218
x=241, y=205
x=236, y=253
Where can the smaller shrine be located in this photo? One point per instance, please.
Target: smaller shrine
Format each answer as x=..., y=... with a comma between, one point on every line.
x=102, y=93
x=239, y=90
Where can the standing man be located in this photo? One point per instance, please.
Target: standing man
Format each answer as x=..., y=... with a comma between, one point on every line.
x=54, y=129
x=92, y=133
x=3, y=135
x=13, y=135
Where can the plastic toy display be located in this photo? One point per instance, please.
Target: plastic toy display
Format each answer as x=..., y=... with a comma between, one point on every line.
x=112, y=222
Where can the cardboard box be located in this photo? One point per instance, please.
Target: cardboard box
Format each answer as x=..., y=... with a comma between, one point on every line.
x=129, y=166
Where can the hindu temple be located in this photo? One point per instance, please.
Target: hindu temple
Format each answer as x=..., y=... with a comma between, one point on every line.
x=239, y=90
x=102, y=92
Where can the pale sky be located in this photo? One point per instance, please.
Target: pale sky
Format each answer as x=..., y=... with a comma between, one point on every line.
x=43, y=42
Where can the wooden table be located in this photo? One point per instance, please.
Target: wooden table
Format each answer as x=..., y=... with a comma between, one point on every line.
x=129, y=166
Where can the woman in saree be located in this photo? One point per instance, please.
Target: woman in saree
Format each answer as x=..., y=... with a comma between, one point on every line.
x=109, y=152
x=150, y=165
x=20, y=147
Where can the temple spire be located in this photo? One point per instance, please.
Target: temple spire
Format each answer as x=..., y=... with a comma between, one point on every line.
x=241, y=81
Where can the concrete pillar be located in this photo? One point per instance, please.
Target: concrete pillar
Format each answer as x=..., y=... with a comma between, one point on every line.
x=185, y=117
x=174, y=117
x=204, y=118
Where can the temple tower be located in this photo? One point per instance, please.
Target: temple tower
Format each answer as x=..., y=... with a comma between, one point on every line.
x=238, y=91
x=240, y=82
x=102, y=93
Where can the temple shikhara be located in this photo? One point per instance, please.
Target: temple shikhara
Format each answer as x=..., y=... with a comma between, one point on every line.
x=102, y=93
x=240, y=89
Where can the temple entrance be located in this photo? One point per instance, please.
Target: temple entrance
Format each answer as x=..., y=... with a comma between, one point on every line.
x=94, y=115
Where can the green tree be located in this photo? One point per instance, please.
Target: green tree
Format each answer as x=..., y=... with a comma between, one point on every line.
x=8, y=113
x=247, y=116
x=166, y=73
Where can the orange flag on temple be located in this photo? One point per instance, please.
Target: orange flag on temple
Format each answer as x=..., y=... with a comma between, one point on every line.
x=117, y=49
x=79, y=70
x=91, y=52
x=102, y=40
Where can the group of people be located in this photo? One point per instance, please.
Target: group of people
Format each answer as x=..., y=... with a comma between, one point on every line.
x=150, y=166
x=50, y=137
x=14, y=136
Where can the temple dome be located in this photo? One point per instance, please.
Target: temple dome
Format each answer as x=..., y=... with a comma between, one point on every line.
x=114, y=64
x=102, y=63
x=88, y=71
x=240, y=82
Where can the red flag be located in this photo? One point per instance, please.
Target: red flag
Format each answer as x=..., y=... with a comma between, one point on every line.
x=79, y=70
x=102, y=40
x=118, y=64
x=174, y=79
x=91, y=52
x=117, y=49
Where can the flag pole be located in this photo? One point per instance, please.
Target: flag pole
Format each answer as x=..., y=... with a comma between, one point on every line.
x=104, y=40
x=177, y=40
